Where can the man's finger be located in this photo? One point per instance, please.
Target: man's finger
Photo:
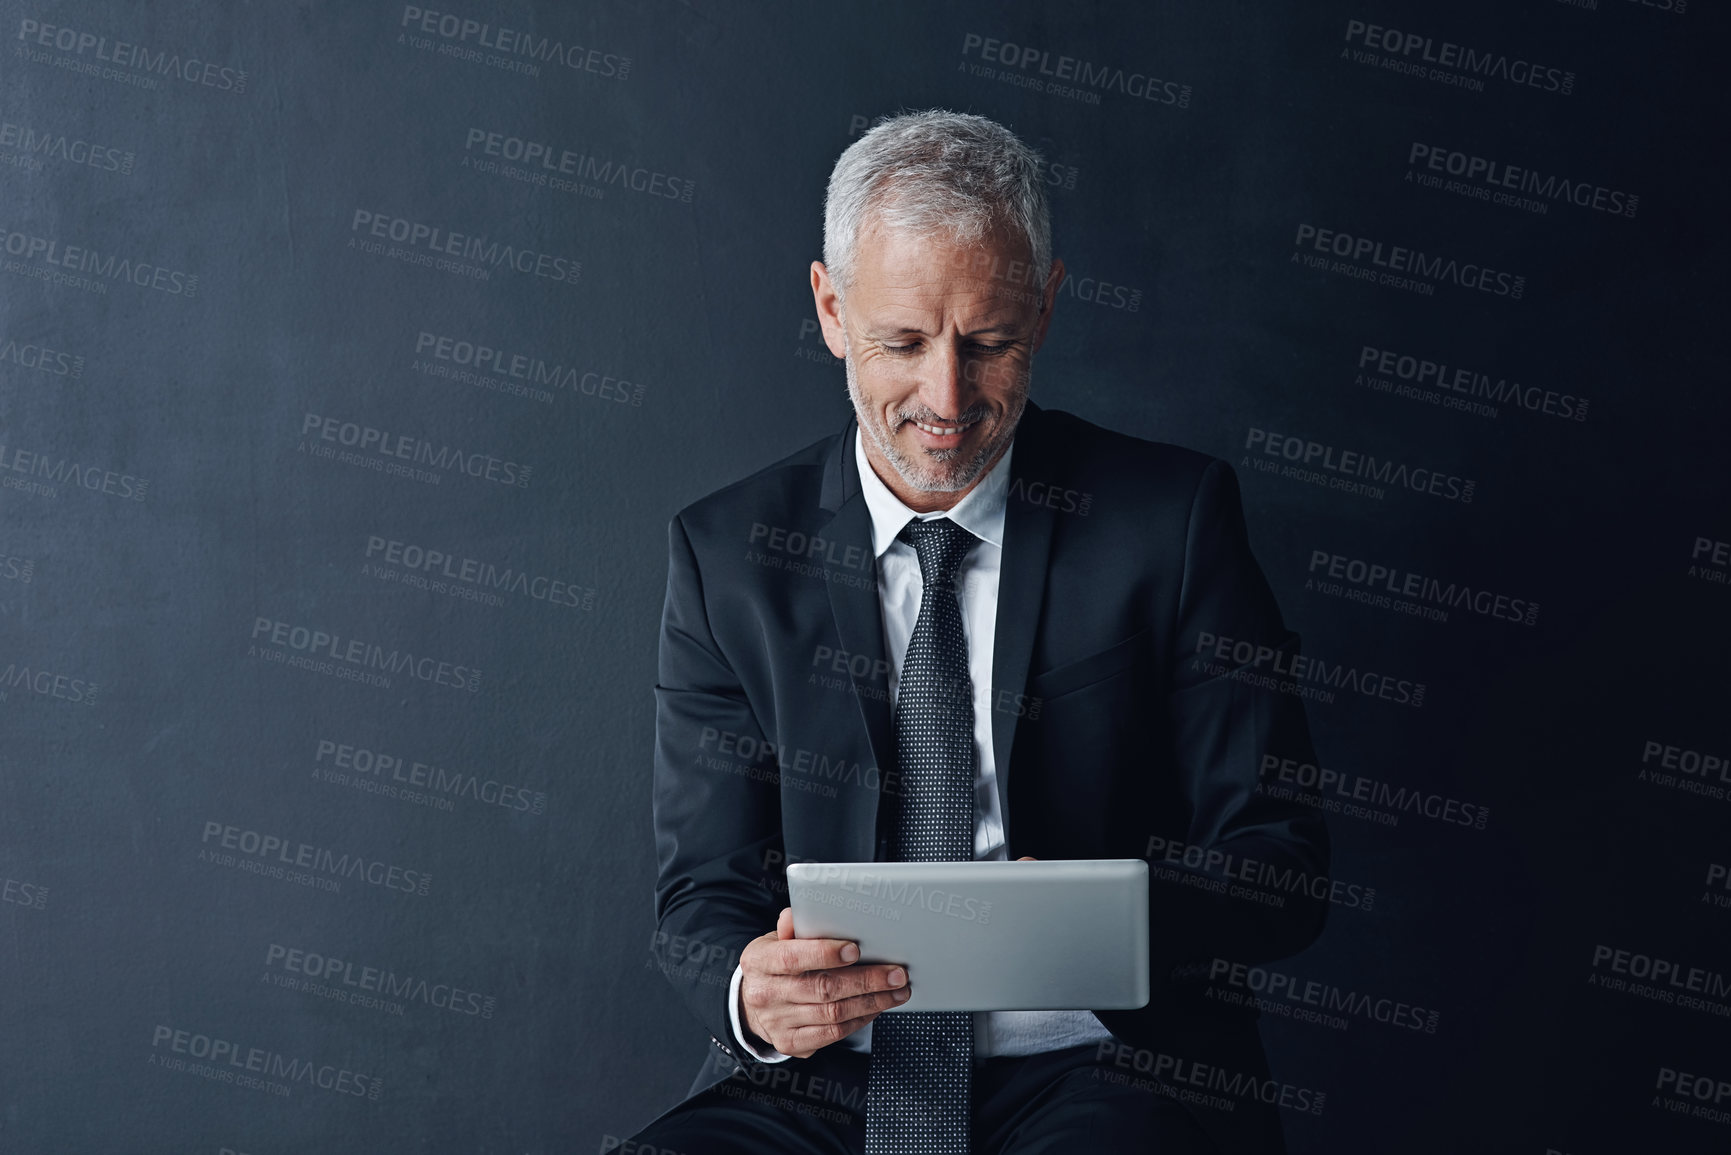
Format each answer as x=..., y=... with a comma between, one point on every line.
x=865, y=1005
x=847, y=983
x=824, y=1034
x=797, y=955
x=784, y=923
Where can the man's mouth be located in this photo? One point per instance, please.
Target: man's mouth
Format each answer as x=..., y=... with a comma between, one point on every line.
x=942, y=430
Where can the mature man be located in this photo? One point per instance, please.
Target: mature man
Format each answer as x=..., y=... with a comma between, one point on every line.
x=966, y=627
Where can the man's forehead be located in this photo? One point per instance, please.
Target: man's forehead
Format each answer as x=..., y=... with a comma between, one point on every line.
x=901, y=277
x=891, y=318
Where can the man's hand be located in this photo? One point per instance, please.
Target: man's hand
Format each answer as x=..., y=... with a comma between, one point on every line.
x=802, y=994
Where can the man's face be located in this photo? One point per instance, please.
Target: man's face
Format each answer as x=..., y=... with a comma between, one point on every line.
x=939, y=340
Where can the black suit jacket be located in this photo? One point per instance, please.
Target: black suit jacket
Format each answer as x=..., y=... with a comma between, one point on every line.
x=1111, y=739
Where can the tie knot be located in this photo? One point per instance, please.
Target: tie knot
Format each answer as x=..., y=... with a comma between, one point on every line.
x=941, y=544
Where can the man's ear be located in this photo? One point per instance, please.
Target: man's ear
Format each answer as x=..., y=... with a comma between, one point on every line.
x=1048, y=301
x=828, y=302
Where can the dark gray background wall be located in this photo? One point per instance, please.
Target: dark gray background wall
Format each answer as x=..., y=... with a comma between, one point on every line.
x=249, y=724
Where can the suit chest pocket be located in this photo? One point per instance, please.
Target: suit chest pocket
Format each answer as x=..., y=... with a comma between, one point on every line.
x=1111, y=662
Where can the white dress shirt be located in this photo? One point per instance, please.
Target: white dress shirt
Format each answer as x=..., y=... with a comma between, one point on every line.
x=981, y=513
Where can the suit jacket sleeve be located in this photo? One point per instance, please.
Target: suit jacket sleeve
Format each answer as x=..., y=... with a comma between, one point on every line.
x=1223, y=727
x=717, y=816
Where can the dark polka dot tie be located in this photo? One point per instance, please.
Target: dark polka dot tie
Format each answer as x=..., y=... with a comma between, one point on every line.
x=918, y=1093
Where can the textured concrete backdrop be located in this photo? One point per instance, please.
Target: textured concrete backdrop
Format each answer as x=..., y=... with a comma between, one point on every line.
x=354, y=356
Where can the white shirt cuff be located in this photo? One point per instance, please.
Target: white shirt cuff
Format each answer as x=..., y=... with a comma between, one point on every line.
x=774, y=1056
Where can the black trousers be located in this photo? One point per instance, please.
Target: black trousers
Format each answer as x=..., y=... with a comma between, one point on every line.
x=1057, y=1102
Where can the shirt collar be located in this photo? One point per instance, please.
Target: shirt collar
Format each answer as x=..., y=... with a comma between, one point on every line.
x=981, y=512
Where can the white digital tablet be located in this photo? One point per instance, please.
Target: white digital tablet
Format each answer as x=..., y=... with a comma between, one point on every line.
x=989, y=936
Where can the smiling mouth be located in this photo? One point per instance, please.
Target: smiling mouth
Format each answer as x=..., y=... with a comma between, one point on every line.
x=942, y=430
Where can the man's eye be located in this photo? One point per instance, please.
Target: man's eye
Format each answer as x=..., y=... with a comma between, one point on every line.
x=999, y=347
x=901, y=348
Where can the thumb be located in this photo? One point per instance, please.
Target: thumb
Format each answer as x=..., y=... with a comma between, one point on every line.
x=784, y=923
x=1027, y=858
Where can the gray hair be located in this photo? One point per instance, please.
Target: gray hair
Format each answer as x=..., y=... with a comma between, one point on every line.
x=936, y=172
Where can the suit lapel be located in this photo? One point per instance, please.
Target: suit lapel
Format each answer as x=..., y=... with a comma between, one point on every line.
x=859, y=626
x=1021, y=588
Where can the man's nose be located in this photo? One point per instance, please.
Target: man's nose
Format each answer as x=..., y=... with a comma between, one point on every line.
x=944, y=387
